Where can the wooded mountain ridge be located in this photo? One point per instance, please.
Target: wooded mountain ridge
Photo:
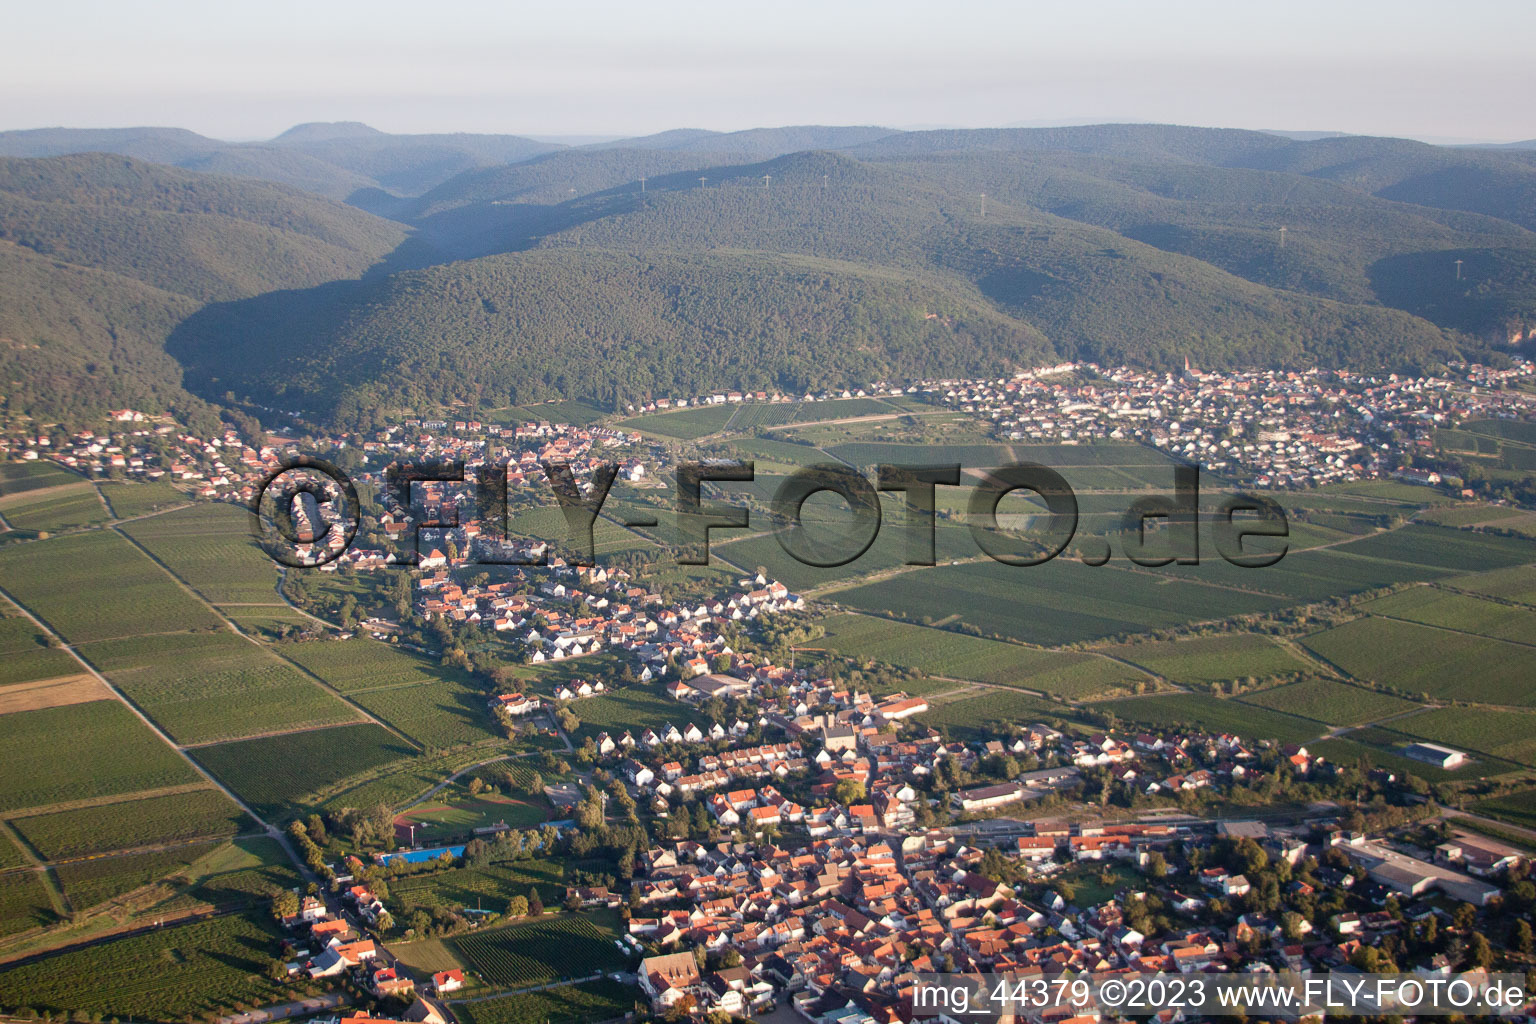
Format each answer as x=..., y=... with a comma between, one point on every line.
x=497, y=268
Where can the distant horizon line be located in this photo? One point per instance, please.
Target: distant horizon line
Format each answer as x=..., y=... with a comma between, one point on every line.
x=578, y=139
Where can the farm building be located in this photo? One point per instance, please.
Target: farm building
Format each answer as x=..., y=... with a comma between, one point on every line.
x=989, y=796
x=1435, y=754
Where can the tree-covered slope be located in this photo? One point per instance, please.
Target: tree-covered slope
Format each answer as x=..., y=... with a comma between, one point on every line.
x=103, y=256
x=603, y=325
x=205, y=237
x=78, y=341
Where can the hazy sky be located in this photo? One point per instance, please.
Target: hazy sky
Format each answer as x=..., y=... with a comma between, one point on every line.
x=233, y=69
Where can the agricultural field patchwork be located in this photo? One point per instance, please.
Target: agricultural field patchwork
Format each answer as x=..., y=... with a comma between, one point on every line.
x=83, y=750
x=1434, y=607
x=24, y=903
x=1214, y=714
x=20, y=477
x=1059, y=602
x=541, y=951
x=1510, y=735
x=1513, y=584
x=631, y=708
x=271, y=773
x=603, y=999
x=209, y=686
x=685, y=424
x=166, y=974
x=137, y=499
x=25, y=655
x=958, y=656
x=92, y=882
x=1330, y=702
x=489, y=888
x=176, y=817
x=993, y=711
x=447, y=713
x=1208, y=660
x=1423, y=659
x=1518, y=808
x=54, y=510
x=95, y=586
x=210, y=547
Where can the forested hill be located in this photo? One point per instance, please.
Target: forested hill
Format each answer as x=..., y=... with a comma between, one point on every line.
x=103, y=256
x=603, y=325
x=762, y=258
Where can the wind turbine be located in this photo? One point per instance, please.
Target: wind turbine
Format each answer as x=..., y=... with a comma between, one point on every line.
x=702, y=180
x=983, y=206
x=766, y=178
x=1282, y=236
x=1458, y=270
x=642, y=183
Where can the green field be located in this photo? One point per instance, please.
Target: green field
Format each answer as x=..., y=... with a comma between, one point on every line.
x=1445, y=548
x=20, y=477
x=24, y=903
x=137, y=499
x=363, y=664
x=489, y=888
x=541, y=951
x=438, y=706
x=269, y=774
x=178, y=817
x=603, y=999
x=436, y=715
x=633, y=708
x=1515, y=584
x=1422, y=659
x=1434, y=607
x=210, y=547
x=202, y=687
x=685, y=424
x=79, y=751
x=1214, y=715
x=1205, y=660
x=1330, y=702
x=97, y=585
x=268, y=621
x=548, y=524
x=1510, y=735
x=90, y=883
x=455, y=812
x=982, y=717
x=1059, y=602
x=163, y=975
x=955, y=655
x=25, y=654
x=1518, y=808
x=54, y=510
